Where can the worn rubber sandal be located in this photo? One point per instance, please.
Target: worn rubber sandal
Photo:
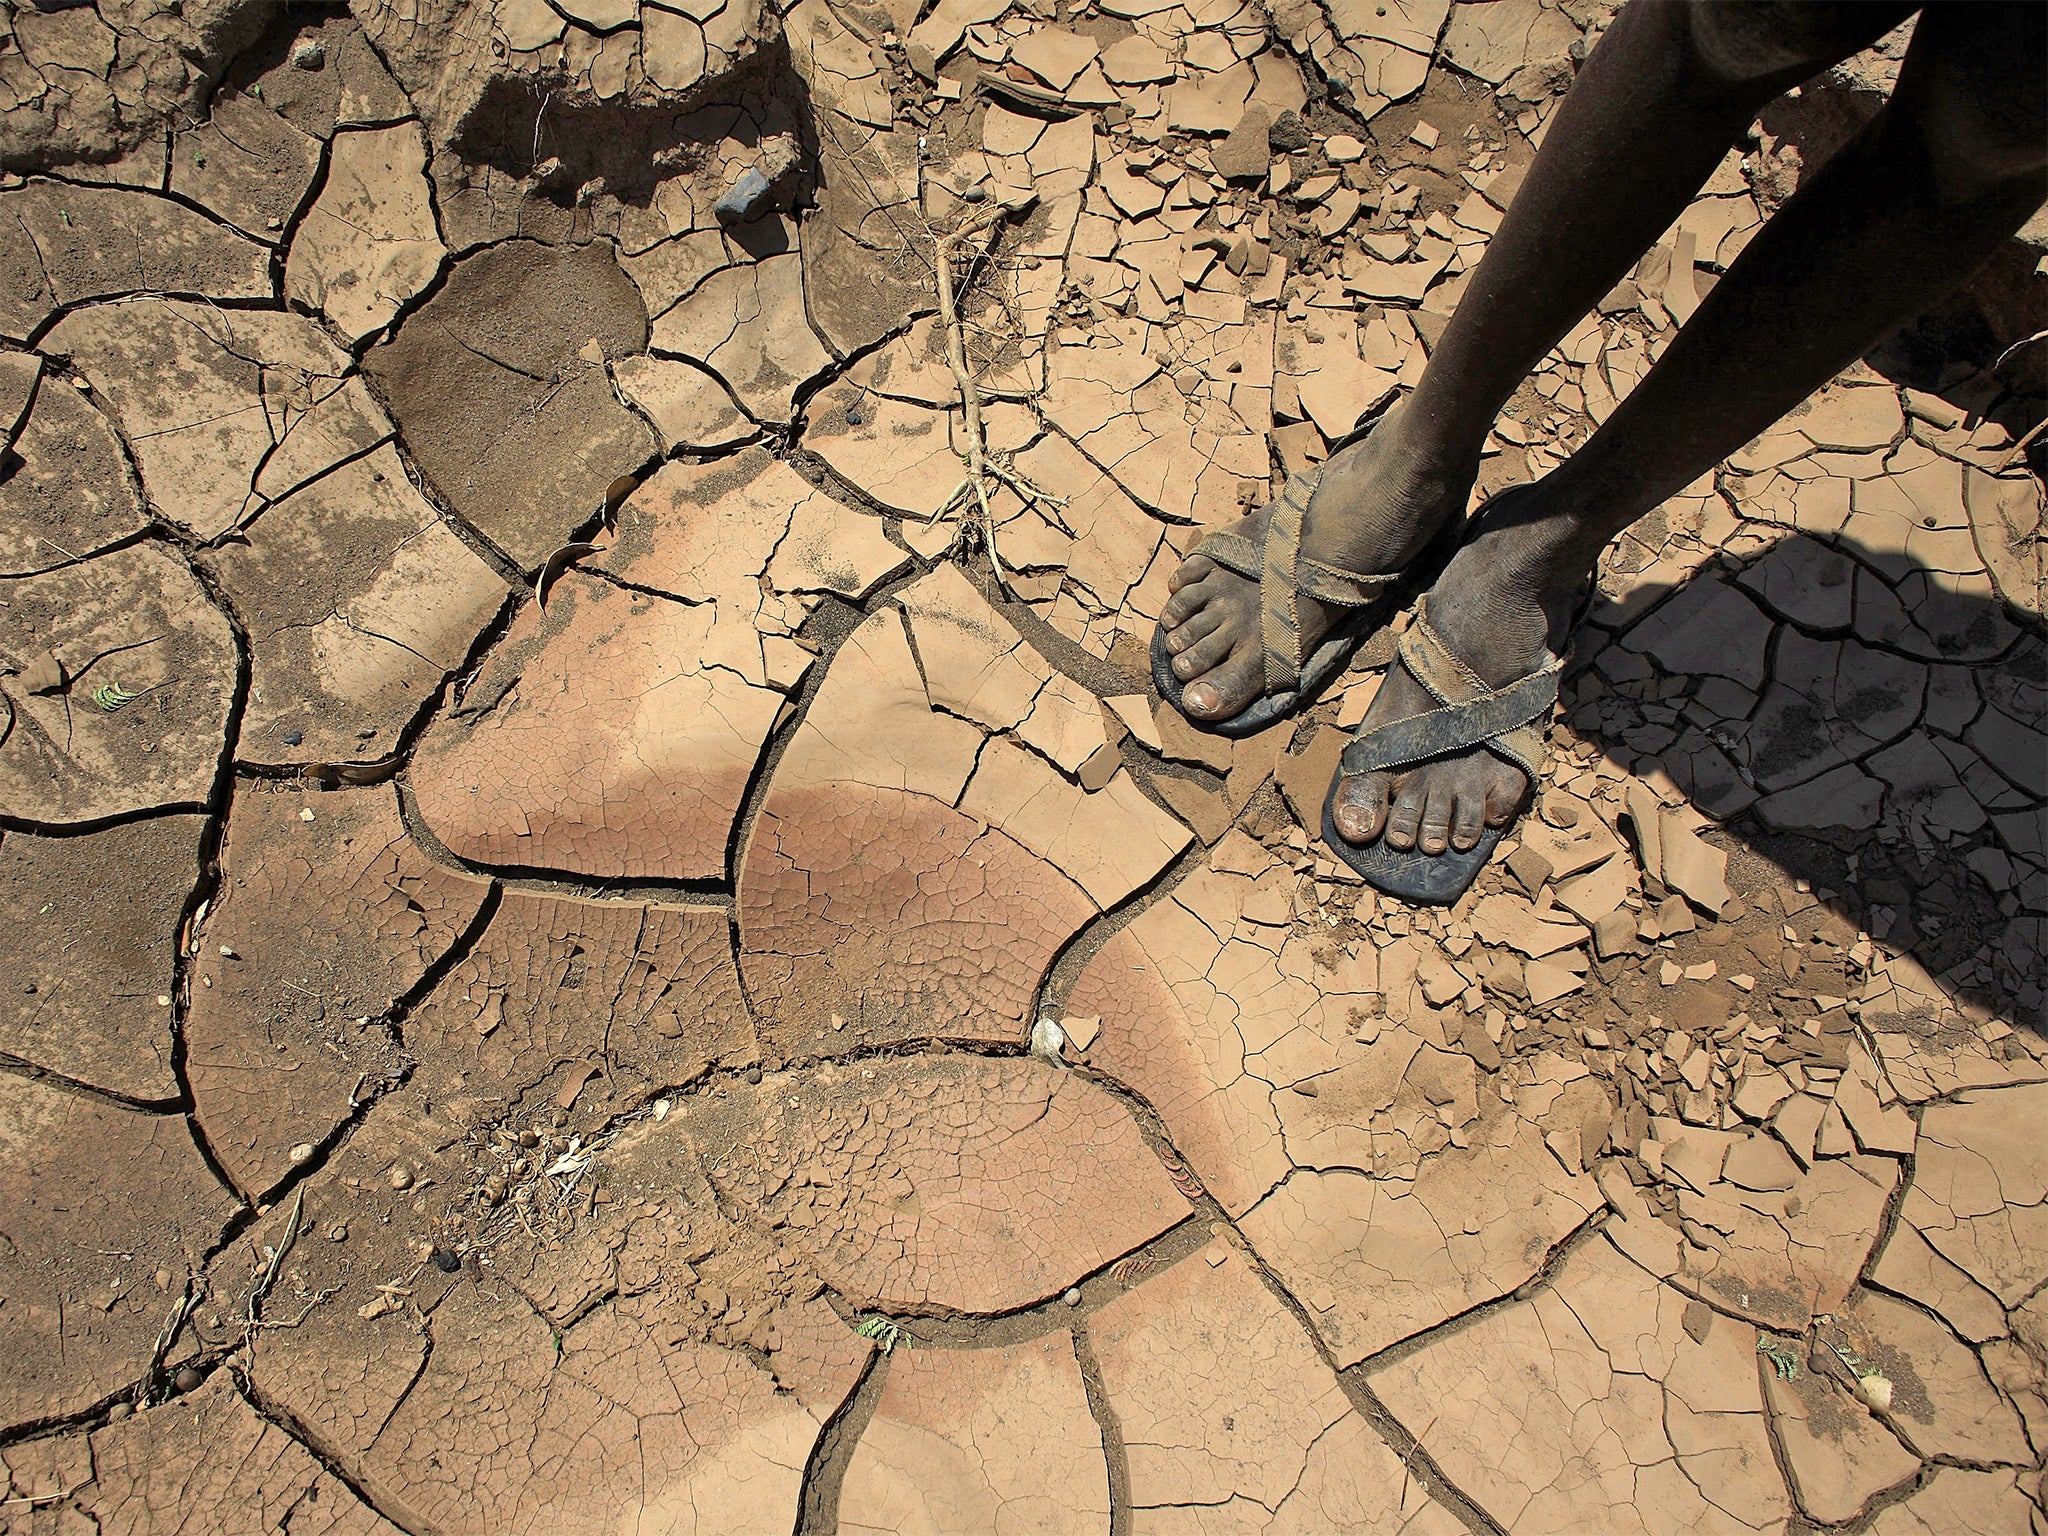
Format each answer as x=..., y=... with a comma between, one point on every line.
x=1328, y=659
x=1284, y=574
x=1508, y=722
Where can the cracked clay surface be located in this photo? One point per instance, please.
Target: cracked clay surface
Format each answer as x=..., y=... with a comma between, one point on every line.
x=599, y=929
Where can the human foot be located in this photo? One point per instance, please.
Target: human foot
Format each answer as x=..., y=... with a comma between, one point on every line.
x=1501, y=604
x=1378, y=506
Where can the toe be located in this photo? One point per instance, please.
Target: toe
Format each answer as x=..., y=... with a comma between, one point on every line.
x=1438, y=802
x=1190, y=571
x=1206, y=654
x=1182, y=637
x=1404, y=817
x=1468, y=818
x=1227, y=688
x=1192, y=599
x=1504, y=797
x=1361, y=808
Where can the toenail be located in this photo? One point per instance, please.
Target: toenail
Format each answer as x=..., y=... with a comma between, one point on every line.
x=1203, y=699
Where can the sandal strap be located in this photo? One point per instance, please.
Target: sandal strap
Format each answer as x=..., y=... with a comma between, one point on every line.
x=1284, y=574
x=1279, y=597
x=1233, y=551
x=1506, y=721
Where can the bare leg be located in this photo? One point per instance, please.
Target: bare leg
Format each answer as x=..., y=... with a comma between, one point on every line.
x=1949, y=169
x=1652, y=113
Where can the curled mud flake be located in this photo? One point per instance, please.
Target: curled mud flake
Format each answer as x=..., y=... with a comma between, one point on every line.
x=980, y=1440
x=1595, y=1370
x=976, y=1186
x=558, y=989
x=368, y=244
x=100, y=1199
x=329, y=922
x=1221, y=1400
x=211, y=1451
x=68, y=494
x=359, y=601
x=133, y=619
x=64, y=244
x=88, y=939
x=490, y=381
x=224, y=409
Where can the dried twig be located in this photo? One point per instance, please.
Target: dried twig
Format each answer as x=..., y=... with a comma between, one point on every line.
x=1408, y=1462
x=181, y=1313
x=277, y=1254
x=981, y=467
x=37, y=1500
x=956, y=350
x=2013, y=453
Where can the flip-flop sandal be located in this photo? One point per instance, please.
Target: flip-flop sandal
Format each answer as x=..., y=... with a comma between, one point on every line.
x=1508, y=722
x=1284, y=574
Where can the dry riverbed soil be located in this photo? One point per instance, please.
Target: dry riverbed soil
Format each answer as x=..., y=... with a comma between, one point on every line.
x=599, y=930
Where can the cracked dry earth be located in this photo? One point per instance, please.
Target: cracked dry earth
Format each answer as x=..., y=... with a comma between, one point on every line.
x=540, y=830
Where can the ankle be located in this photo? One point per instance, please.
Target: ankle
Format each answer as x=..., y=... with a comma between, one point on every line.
x=1527, y=559
x=1434, y=464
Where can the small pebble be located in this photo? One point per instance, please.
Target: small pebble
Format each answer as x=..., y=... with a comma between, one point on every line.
x=293, y=738
x=226, y=953
x=309, y=55
x=401, y=1178
x=188, y=1378
x=973, y=194
x=303, y=1152
x=1875, y=1390
x=120, y=1411
x=306, y=814
x=446, y=1261
x=1072, y=1297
